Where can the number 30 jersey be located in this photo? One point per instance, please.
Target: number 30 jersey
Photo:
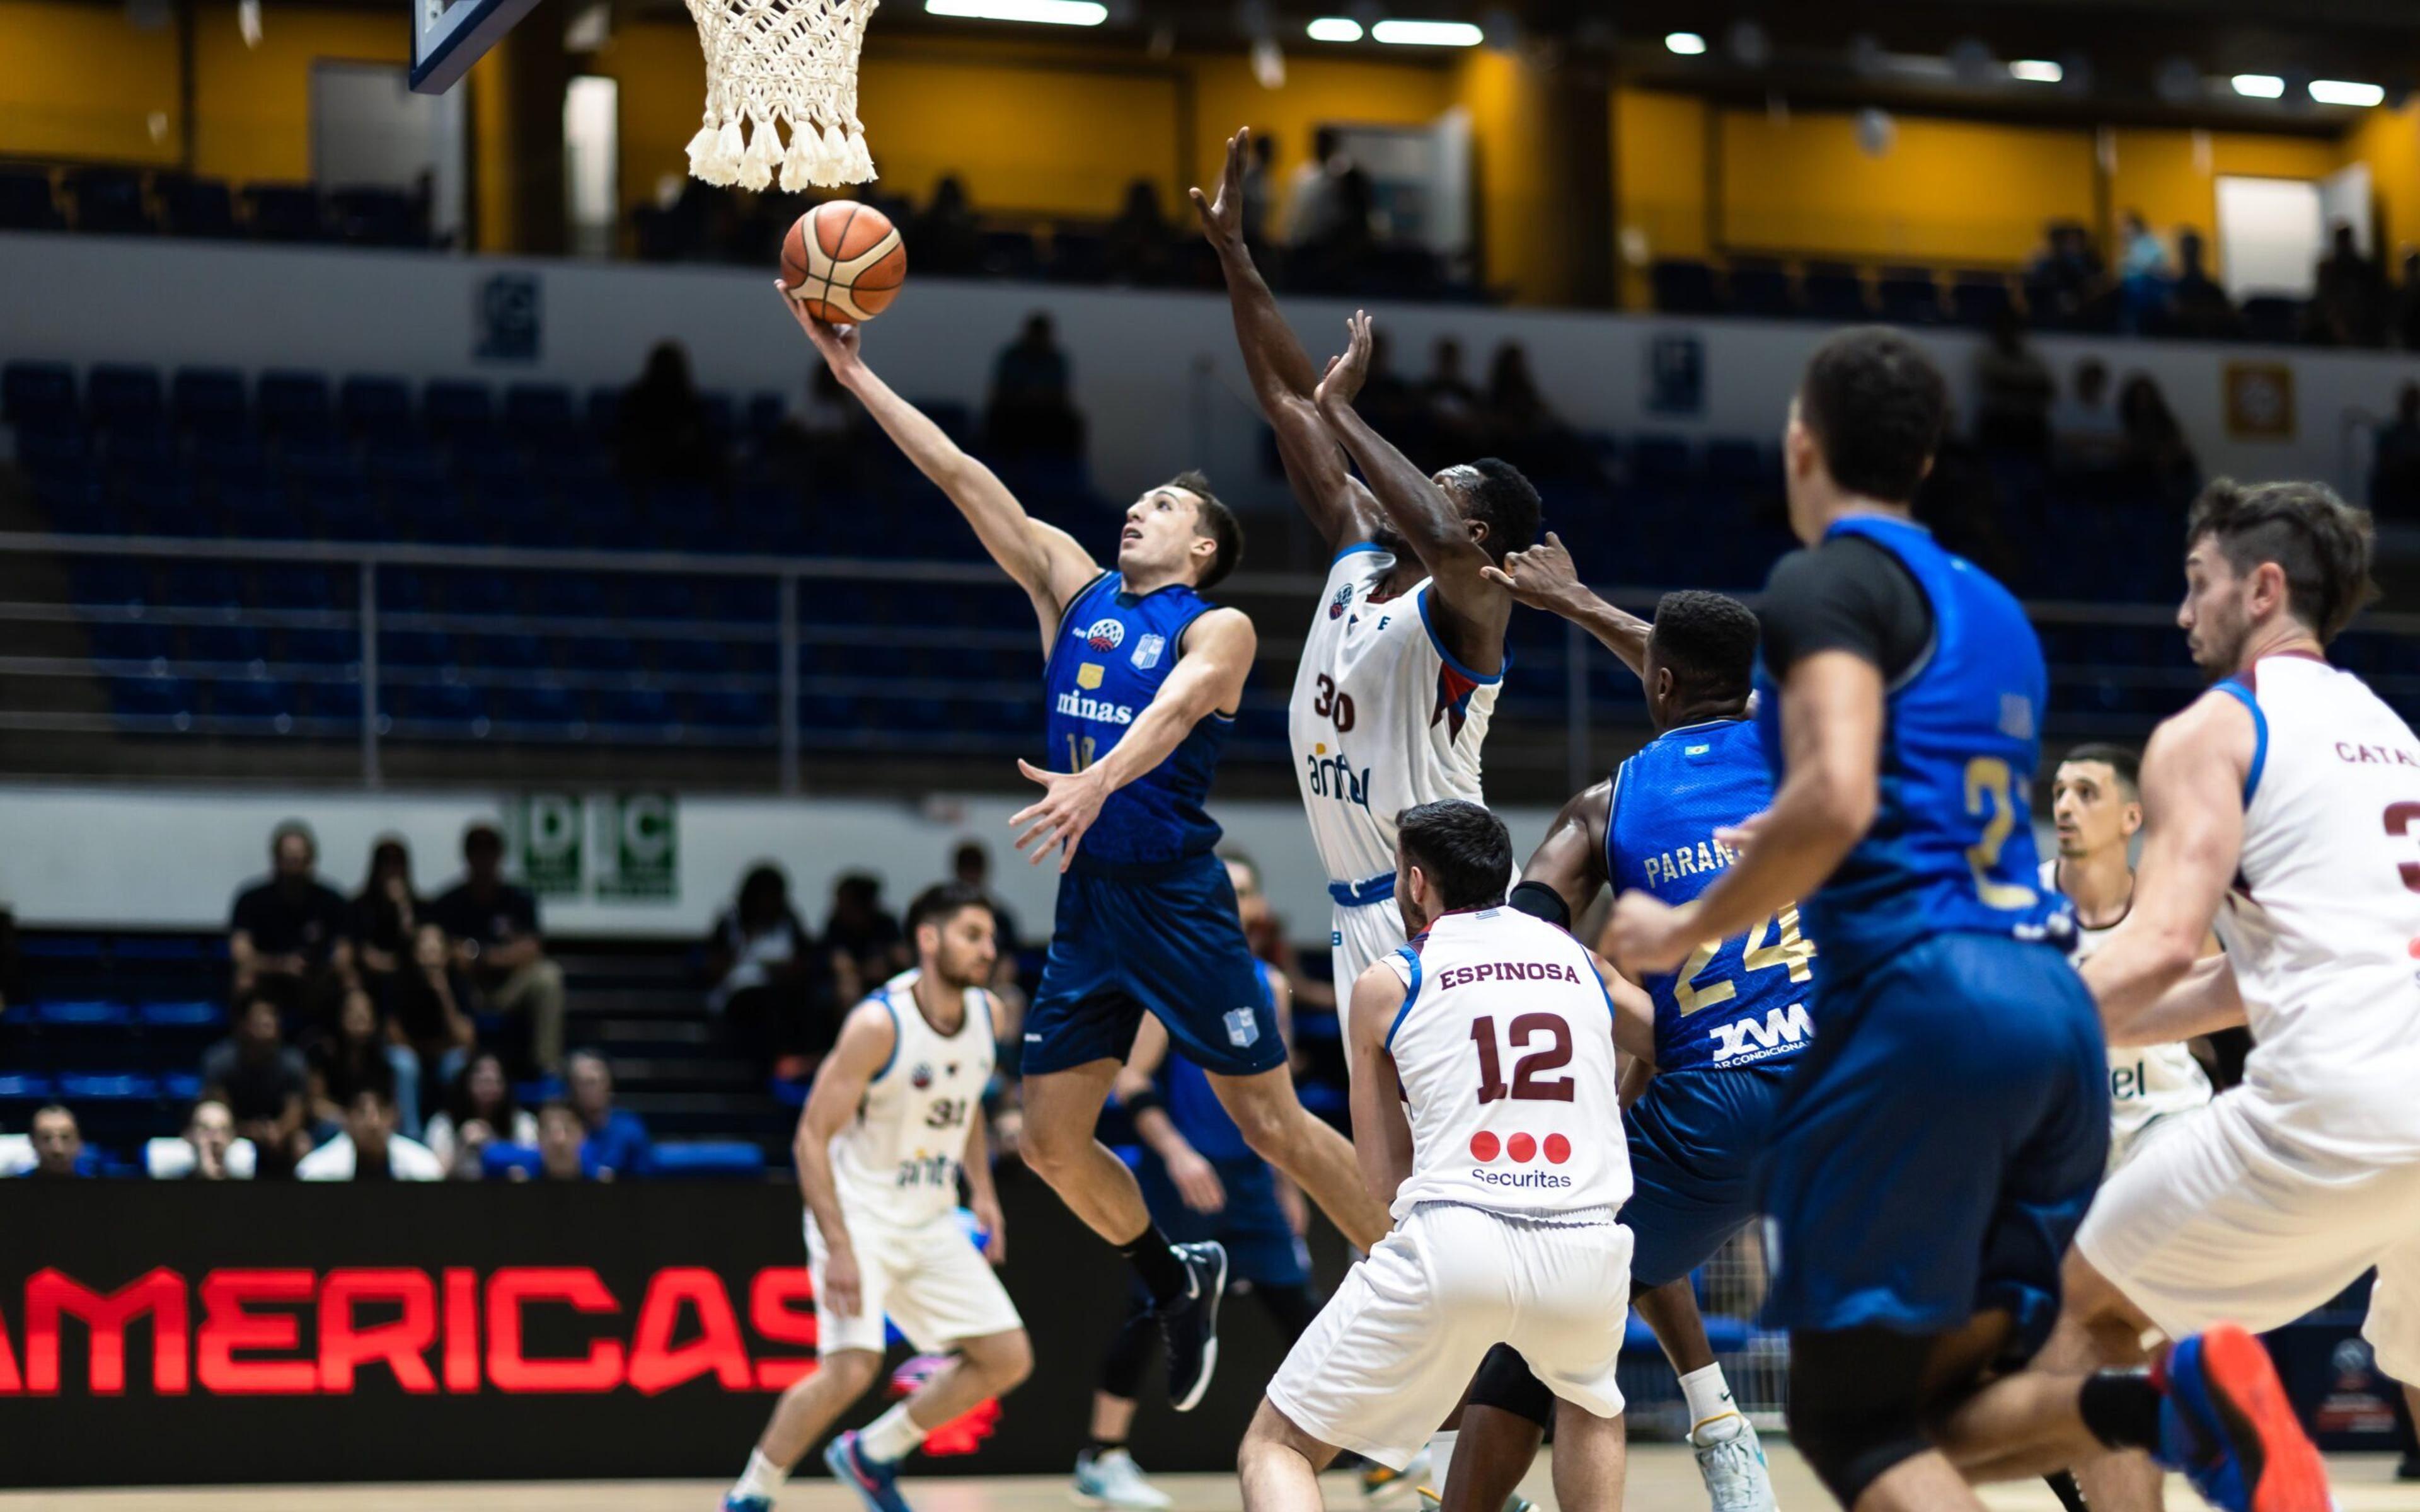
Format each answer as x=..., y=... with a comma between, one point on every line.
x=1504, y=1048
x=896, y=1164
x=1382, y=719
x=1734, y=1002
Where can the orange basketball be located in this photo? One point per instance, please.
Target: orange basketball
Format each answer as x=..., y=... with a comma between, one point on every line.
x=845, y=260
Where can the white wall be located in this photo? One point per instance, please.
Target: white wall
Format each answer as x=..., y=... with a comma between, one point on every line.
x=1156, y=373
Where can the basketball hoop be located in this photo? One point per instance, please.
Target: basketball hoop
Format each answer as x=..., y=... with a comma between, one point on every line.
x=785, y=62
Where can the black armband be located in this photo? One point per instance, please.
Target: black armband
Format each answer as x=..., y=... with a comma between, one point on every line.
x=1541, y=902
x=1144, y=1101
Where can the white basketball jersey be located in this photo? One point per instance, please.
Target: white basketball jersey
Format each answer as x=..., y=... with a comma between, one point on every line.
x=897, y=1163
x=2323, y=925
x=1504, y=1048
x=1381, y=719
x=2146, y=1082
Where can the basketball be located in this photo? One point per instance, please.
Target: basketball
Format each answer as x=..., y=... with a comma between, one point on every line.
x=845, y=260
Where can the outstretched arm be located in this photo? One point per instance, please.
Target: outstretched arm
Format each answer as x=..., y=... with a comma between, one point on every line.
x=1044, y=559
x=1214, y=658
x=1543, y=578
x=1283, y=379
x=1469, y=610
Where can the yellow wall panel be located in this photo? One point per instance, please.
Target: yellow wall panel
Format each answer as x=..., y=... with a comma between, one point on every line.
x=2174, y=181
x=1057, y=141
x=1319, y=91
x=252, y=105
x=2389, y=142
x=81, y=82
x=1659, y=181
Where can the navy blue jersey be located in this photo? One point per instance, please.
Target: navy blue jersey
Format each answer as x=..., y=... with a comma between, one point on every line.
x=1193, y=1105
x=1110, y=656
x=1951, y=847
x=1733, y=1002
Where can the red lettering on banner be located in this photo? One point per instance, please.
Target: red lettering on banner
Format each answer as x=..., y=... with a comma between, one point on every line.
x=574, y=1285
x=10, y=1382
x=461, y=1330
x=769, y=1312
x=657, y=1363
x=346, y=1346
x=158, y=1293
x=226, y=1327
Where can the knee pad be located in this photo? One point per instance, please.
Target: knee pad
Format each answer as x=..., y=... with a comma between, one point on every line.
x=1504, y=1382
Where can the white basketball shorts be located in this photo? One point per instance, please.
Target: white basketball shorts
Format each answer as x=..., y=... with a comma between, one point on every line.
x=930, y=1280
x=1360, y=937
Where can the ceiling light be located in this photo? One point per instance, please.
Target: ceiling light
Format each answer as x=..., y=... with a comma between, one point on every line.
x=1334, y=30
x=2346, y=92
x=2258, y=85
x=2037, y=70
x=1689, y=44
x=1049, y=13
x=1429, y=33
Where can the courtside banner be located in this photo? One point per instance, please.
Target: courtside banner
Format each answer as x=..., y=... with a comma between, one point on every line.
x=188, y=1331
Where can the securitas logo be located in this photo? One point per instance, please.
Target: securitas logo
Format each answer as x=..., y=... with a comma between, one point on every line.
x=1342, y=601
x=1099, y=711
x=1105, y=634
x=1520, y=1149
x=1783, y=1030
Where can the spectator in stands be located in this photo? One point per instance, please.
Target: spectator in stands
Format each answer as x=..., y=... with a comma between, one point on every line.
x=948, y=235
x=660, y=430
x=2085, y=426
x=11, y=978
x=762, y=963
x=1521, y=426
x=290, y=932
x=355, y=1054
x=264, y=1082
x=2394, y=472
x=387, y=916
x=1256, y=191
x=2065, y=276
x=2350, y=304
x=1332, y=214
x=479, y=1111
x=369, y=1149
x=2154, y=453
x=2013, y=392
x=2142, y=274
x=1450, y=414
x=209, y=1132
x=564, y=1149
x=58, y=1144
x=1030, y=412
x=493, y=929
x=2407, y=305
x=1386, y=401
x=862, y=939
x=2198, y=305
x=1136, y=245
x=1313, y=206
x=424, y=1012
x=970, y=867
x=613, y=1140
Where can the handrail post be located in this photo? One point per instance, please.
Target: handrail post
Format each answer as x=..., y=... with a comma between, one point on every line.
x=371, y=777
x=789, y=682
x=1575, y=708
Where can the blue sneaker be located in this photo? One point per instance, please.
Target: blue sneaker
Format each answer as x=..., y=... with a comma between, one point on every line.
x=876, y=1483
x=737, y=1502
x=1190, y=1324
x=2225, y=1422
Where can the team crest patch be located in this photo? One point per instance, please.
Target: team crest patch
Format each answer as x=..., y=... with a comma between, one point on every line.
x=1105, y=634
x=1243, y=1027
x=1147, y=650
x=1088, y=676
x=1343, y=599
x=921, y=1077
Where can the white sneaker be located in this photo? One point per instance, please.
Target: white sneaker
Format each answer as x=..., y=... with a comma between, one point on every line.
x=1732, y=1465
x=1381, y=1487
x=1114, y=1480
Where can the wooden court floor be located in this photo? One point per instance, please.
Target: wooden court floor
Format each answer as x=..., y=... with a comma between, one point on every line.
x=1663, y=1479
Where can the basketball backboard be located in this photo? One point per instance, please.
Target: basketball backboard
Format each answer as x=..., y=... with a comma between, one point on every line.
x=448, y=36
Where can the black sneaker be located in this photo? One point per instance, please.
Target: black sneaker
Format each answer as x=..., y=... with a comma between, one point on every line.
x=1190, y=1324
x=2410, y=1469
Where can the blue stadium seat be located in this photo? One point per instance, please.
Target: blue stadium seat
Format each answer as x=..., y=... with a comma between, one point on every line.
x=41, y=393
x=333, y=701
x=196, y=206
x=1760, y=287
x=539, y=411
x=600, y=654
x=376, y=218
x=149, y=700
x=732, y=710
x=455, y=409
x=122, y=397
x=295, y=403
x=180, y=1087
x=1980, y=300
x=1910, y=296
x=203, y=585
x=1684, y=288
x=196, y=1013
x=82, y=1013
x=291, y=586
x=285, y=212
x=118, y=641
x=208, y=399
x=263, y=699
x=713, y=1160
x=2272, y=319
x=323, y=647
x=25, y=1089
x=109, y=201
x=415, y=648
x=224, y=644
x=1836, y=292
x=659, y=599
x=107, y=1087
x=694, y=657
x=26, y=203
x=555, y=709
x=636, y=709
x=1662, y=461
x=1010, y=254
x=604, y=410
x=442, y=703
x=512, y=653
x=374, y=406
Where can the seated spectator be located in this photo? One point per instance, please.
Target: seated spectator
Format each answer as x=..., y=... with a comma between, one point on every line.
x=1329, y=215
x=561, y=1152
x=290, y=933
x=2349, y=304
x=2142, y=275
x=265, y=1084
x=386, y=915
x=424, y=1014
x=2407, y=305
x=862, y=939
x=208, y=1150
x=369, y=1149
x=2065, y=279
x=1449, y=408
x=2198, y=305
x=2086, y=425
x=356, y=1053
x=1030, y=413
x=948, y=235
x=2394, y=473
x=1521, y=425
x=479, y=1111
x=1256, y=189
x=2014, y=390
x=1386, y=401
x=970, y=867
x=660, y=431
x=493, y=929
x=613, y=1140
x=763, y=963
x=1136, y=245
x=2153, y=449
x=58, y=1145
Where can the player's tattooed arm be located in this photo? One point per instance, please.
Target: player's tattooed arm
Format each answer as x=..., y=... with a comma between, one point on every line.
x=1571, y=859
x=1382, y=1139
x=1831, y=731
x=1542, y=577
x=1284, y=380
x=1470, y=610
x=1043, y=559
x=867, y=1039
x=2145, y=975
x=1213, y=660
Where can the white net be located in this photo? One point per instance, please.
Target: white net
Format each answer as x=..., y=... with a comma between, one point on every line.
x=772, y=64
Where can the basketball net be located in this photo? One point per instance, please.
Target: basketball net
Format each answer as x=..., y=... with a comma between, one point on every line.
x=780, y=62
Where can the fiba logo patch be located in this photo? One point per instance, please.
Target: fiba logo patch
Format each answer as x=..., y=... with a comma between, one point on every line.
x=920, y=1078
x=1343, y=600
x=1105, y=634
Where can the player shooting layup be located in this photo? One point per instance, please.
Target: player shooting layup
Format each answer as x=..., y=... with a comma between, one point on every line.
x=1142, y=675
x=1405, y=654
